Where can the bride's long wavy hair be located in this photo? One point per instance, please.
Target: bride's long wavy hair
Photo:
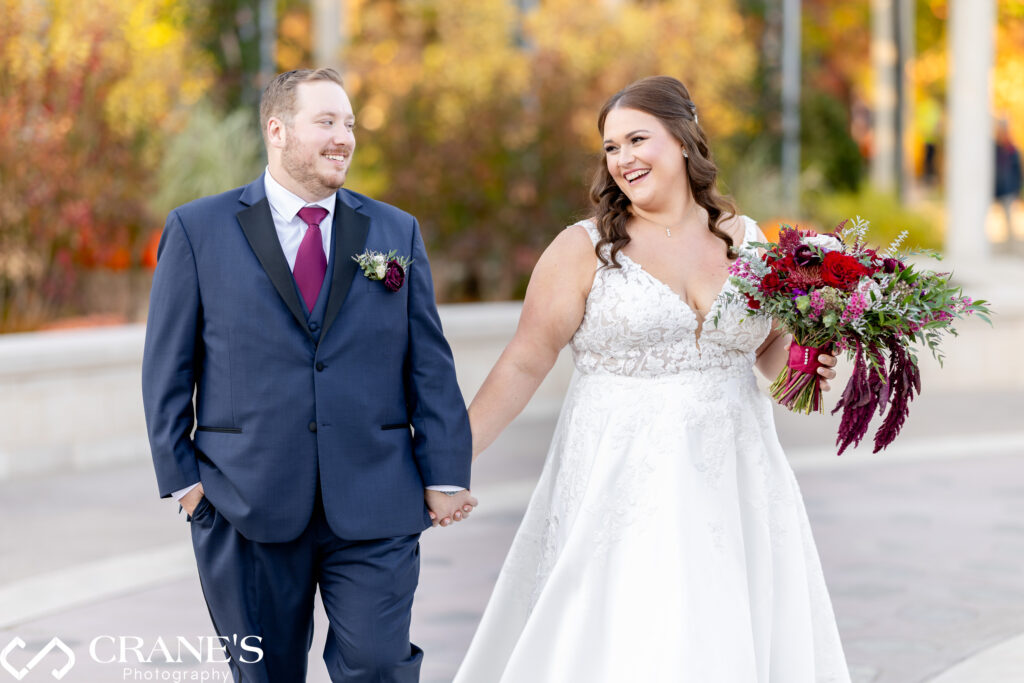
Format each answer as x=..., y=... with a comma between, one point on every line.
x=669, y=100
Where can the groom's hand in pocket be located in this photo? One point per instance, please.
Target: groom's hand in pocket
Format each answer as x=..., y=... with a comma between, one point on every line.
x=445, y=509
x=189, y=501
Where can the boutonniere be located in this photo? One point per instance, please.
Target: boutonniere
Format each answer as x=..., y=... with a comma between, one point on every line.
x=387, y=267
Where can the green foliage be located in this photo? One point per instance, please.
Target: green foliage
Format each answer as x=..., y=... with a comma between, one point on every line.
x=213, y=153
x=888, y=217
x=826, y=142
x=228, y=33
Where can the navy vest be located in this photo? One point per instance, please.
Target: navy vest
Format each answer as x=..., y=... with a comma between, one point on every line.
x=315, y=318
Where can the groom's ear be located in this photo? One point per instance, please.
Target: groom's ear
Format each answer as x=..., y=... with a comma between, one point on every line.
x=276, y=133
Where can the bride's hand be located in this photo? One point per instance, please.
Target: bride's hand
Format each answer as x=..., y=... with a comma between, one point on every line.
x=827, y=370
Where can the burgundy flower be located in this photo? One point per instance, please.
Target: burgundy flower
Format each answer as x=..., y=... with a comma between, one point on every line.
x=806, y=278
x=891, y=265
x=806, y=256
x=841, y=271
x=789, y=239
x=394, y=278
x=752, y=303
x=784, y=265
x=770, y=283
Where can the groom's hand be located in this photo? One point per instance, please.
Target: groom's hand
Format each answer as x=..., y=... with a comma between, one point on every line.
x=189, y=501
x=445, y=509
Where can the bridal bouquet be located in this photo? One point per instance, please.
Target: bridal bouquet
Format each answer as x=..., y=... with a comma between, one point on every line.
x=831, y=291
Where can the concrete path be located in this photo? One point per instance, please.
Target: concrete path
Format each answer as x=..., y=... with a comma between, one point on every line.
x=922, y=546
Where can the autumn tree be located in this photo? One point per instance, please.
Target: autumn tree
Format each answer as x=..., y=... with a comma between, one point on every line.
x=482, y=120
x=86, y=93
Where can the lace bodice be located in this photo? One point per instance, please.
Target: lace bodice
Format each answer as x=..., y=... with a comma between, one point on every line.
x=635, y=325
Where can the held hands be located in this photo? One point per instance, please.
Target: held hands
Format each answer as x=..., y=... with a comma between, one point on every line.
x=445, y=509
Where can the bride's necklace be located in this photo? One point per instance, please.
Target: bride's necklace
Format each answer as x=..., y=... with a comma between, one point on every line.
x=666, y=228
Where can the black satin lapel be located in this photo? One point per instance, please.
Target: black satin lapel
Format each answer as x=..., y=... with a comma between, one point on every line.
x=258, y=226
x=350, y=230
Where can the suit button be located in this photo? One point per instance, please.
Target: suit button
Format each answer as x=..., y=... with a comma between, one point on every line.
x=314, y=326
x=320, y=366
x=312, y=426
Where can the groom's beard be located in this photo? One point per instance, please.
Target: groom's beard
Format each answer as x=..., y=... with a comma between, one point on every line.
x=300, y=162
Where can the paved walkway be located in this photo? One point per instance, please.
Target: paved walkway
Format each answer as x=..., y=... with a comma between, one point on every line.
x=923, y=550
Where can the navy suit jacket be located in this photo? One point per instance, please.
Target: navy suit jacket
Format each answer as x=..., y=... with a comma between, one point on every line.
x=367, y=403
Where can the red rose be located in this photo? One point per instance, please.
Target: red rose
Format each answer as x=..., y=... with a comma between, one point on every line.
x=784, y=265
x=752, y=303
x=770, y=283
x=841, y=271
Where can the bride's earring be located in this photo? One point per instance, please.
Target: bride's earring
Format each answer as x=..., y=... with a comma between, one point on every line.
x=685, y=155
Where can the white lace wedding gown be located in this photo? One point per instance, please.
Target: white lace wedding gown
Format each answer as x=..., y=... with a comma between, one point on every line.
x=666, y=540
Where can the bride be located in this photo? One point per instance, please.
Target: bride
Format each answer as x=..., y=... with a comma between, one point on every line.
x=666, y=540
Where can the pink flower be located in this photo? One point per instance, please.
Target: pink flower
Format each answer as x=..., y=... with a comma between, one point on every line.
x=817, y=302
x=855, y=308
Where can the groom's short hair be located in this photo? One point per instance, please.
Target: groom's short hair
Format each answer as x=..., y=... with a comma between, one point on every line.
x=279, y=96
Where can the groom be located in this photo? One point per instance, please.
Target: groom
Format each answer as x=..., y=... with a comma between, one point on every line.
x=329, y=429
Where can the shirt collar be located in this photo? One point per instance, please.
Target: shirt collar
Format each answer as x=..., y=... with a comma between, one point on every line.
x=287, y=204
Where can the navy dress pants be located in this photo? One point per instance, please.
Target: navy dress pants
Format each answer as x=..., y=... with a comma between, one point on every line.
x=266, y=590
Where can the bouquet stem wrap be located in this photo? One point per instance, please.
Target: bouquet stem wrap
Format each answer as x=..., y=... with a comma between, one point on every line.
x=797, y=386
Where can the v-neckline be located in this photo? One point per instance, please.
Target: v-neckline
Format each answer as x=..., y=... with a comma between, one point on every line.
x=698, y=316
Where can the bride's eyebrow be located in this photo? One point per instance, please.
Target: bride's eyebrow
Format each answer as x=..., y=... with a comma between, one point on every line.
x=630, y=134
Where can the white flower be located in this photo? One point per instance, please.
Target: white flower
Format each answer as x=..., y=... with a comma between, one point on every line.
x=868, y=287
x=824, y=242
x=380, y=270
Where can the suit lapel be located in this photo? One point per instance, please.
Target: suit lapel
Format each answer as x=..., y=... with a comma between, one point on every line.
x=350, y=230
x=258, y=226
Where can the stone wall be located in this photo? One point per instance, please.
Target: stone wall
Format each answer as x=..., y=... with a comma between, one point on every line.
x=73, y=399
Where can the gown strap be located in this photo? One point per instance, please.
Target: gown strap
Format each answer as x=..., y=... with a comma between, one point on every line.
x=751, y=232
x=590, y=226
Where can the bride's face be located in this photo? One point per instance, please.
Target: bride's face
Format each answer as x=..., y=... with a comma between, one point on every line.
x=645, y=160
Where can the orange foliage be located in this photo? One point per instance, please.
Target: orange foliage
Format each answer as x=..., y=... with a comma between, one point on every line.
x=86, y=92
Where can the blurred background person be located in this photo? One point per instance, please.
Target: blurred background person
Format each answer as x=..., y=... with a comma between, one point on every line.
x=1008, y=178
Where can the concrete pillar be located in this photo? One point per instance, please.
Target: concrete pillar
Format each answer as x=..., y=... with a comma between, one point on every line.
x=791, y=25
x=329, y=32
x=884, y=55
x=970, y=154
x=268, y=41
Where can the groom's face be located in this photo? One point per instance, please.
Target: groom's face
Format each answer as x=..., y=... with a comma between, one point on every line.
x=319, y=140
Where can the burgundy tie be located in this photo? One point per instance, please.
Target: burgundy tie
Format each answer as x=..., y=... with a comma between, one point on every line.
x=310, y=261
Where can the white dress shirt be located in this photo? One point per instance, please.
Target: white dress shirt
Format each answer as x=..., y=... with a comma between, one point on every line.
x=284, y=208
